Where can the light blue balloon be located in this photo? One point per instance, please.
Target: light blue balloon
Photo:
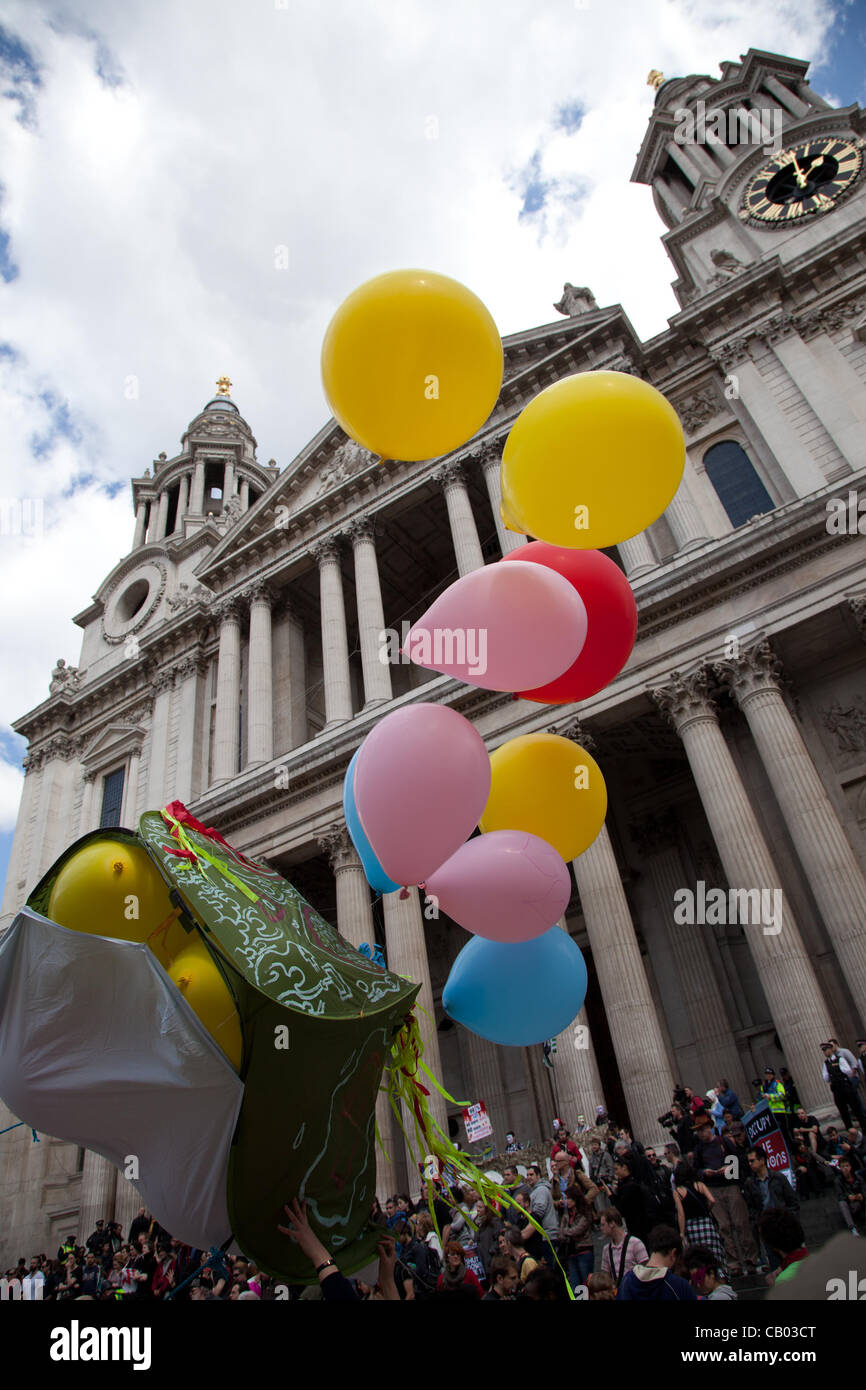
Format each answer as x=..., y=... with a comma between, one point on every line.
x=376, y=876
x=517, y=993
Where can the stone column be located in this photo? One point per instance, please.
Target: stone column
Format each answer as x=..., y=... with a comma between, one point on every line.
x=260, y=715
x=406, y=954
x=159, y=727
x=467, y=547
x=822, y=846
x=687, y=526
x=576, y=1078
x=49, y=798
x=491, y=466
x=130, y=791
x=784, y=96
x=196, y=496
x=789, y=982
x=85, y=815
x=487, y=1084
x=371, y=616
x=245, y=494
x=637, y=555
x=355, y=923
x=687, y=164
x=161, y=516
x=140, y=525
x=821, y=389
x=188, y=775
x=228, y=481
x=127, y=1202
x=335, y=645
x=228, y=693
x=710, y=1026
x=297, y=677
x=782, y=438
x=182, y=502
x=637, y=1040
x=98, y=1186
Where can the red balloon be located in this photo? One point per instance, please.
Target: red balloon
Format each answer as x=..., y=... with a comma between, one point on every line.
x=610, y=609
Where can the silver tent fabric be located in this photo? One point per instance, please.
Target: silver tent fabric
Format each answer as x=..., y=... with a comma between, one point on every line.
x=97, y=1047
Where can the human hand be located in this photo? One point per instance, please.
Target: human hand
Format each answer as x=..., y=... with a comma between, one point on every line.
x=387, y=1249
x=302, y=1233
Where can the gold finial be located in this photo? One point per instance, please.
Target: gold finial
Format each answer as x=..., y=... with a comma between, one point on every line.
x=655, y=78
x=224, y=386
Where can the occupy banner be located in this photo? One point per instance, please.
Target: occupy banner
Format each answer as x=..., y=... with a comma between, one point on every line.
x=763, y=1132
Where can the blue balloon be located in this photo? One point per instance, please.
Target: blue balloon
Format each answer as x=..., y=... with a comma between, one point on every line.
x=376, y=876
x=517, y=993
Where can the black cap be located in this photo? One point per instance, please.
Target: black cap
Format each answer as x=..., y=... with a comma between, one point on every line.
x=769, y=1071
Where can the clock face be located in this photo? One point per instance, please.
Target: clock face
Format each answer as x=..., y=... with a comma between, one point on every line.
x=802, y=181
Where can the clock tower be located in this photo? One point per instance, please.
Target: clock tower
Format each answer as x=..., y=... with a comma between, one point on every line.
x=751, y=169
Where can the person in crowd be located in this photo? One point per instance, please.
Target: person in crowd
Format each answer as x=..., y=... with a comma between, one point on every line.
x=503, y=1280
x=140, y=1226
x=850, y=1188
x=335, y=1288
x=805, y=1129
x=377, y=1215
x=517, y=1250
x=98, y=1240
x=861, y=1062
x=728, y=1098
x=623, y=1249
x=412, y=1273
x=456, y=1280
x=426, y=1231
x=488, y=1227
x=600, y=1172
x=69, y=1286
x=392, y=1215
x=832, y=1143
x=717, y=1161
x=458, y=1227
x=404, y=1206
x=632, y=1199
x=166, y=1268
x=654, y=1280
x=511, y=1179
x=694, y=1103
x=852, y=1146
x=601, y=1288
x=695, y=1205
x=840, y=1074
x=33, y=1282
x=681, y=1129
x=563, y=1143
x=707, y=1276
x=542, y=1208
x=766, y=1191
x=68, y=1248
x=511, y=1144
x=575, y=1250
x=782, y=1233
x=91, y=1275
x=534, y=1241
x=792, y=1095
x=773, y=1092
x=661, y=1185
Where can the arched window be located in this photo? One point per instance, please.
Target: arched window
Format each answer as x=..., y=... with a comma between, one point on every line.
x=732, y=474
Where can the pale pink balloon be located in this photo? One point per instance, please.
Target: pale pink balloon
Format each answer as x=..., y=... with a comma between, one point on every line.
x=506, y=885
x=422, y=780
x=503, y=627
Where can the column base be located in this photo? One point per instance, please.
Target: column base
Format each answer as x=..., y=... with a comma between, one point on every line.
x=374, y=704
x=694, y=544
x=335, y=724
x=641, y=571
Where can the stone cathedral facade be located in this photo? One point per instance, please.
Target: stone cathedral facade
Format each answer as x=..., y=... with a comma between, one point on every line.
x=231, y=660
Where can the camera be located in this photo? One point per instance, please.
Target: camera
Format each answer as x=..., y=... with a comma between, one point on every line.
x=667, y=1121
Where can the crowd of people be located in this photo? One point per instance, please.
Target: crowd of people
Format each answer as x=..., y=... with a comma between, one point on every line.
x=678, y=1220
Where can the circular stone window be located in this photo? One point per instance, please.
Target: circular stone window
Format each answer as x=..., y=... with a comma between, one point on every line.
x=132, y=600
x=135, y=597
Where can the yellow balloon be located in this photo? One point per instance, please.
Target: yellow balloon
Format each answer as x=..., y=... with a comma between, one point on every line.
x=199, y=980
x=592, y=460
x=111, y=888
x=411, y=364
x=550, y=787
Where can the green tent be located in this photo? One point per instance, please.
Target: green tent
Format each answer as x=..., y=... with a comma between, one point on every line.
x=318, y=1020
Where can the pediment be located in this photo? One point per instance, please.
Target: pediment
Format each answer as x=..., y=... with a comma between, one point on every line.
x=111, y=743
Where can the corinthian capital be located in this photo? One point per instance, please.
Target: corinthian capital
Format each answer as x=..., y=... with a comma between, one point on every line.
x=754, y=669
x=337, y=845
x=685, y=697
x=228, y=609
x=857, y=604
x=326, y=550
x=361, y=528
x=575, y=729
x=259, y=592
x=449, y=474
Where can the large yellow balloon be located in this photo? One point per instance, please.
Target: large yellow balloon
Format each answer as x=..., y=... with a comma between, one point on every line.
x=550, y=787
x=204, y=989
x=592, y=460
x=111, y=888
x=412, y=364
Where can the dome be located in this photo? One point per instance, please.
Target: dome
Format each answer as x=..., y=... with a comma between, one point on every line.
x=222, y=403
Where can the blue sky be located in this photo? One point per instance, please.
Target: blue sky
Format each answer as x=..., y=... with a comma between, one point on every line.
x=156, y=157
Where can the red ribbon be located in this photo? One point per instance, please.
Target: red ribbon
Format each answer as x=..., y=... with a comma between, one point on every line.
x=178, y=811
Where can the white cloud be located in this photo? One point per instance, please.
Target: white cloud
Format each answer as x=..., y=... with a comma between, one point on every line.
x=143, y=214
x=11, y=782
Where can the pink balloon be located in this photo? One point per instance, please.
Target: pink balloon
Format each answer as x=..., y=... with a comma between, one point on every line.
x=503, y=627
x=422, y=780
x=506, y=885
